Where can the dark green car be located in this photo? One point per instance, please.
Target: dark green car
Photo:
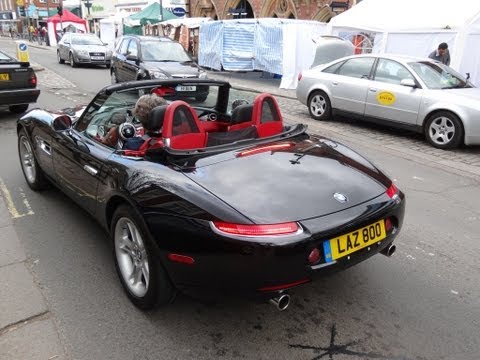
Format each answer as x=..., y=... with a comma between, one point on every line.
x=18, y=84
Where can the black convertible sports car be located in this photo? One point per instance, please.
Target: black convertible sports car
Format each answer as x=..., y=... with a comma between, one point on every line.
x=216, y=200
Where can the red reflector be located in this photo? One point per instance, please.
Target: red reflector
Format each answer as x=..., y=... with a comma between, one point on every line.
x=183, y=259
x=283, y=286
x=260, y=149
x=392, y=190
x=257, y=230
x=314, y=256
x=299, y=76
x=388, y=224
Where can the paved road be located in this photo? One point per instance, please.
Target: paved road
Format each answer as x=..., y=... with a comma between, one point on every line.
x=423, y=303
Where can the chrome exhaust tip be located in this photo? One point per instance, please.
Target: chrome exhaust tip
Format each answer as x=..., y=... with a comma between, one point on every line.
x=389, y=250
x=281, y=302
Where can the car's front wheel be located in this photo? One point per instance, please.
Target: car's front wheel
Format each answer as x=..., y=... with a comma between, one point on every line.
x=319, y=105
x=138, y=262
x=34, y=175
x=18, y=109
x=59, y=58
x=72, y=61
x=444, y=130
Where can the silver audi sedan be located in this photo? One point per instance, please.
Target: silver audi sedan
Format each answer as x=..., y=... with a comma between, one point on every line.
x=79, y=48
x=418, y=94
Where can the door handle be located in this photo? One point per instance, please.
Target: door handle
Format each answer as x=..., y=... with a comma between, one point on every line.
x=372, y=90
x=90, y=170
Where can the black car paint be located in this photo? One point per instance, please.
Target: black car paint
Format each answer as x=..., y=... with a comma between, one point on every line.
x=178, y=211
x=19, y=89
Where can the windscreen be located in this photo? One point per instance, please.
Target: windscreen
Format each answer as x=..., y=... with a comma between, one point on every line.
x=439, y=76
x=164, y=51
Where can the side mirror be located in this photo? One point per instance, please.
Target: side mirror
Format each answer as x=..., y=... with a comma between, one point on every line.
x=132, y=57
x=408, y=82
x=61, y=123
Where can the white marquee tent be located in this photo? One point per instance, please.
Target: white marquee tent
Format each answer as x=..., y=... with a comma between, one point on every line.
x=112, y=27
x=414, y=27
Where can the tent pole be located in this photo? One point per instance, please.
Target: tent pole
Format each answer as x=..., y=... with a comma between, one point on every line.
x=161, y=11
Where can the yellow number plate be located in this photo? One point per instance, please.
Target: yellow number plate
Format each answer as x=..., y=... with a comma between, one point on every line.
x=349, y=243
x=4, y=77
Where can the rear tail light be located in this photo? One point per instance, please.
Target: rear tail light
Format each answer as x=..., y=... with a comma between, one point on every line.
x=392, y=191
x=33, y=80
x=256, y=230
x=300, y=76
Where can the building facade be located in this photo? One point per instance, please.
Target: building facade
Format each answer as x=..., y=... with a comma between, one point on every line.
x=320, y=10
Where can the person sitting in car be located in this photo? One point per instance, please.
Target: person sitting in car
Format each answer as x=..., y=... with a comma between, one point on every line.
x=143, y=106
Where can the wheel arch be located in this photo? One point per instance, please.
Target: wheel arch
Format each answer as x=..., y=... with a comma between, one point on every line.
x=112, y=204
x=318, y=87
x=435, y=111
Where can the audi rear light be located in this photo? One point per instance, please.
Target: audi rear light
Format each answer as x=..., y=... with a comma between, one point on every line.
x=392, y=191
x=300, y=76
x=256, y=230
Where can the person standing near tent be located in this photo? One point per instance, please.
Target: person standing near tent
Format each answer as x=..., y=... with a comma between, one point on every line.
x=441, y=54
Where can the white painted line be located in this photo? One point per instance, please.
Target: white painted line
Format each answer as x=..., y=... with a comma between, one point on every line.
x=26, y=203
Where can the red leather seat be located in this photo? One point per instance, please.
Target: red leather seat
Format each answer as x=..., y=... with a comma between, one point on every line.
x=266, y=116
x=182, y=128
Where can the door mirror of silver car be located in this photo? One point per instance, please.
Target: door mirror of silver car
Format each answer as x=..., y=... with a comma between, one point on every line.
x=61, y=123
x=408, y=82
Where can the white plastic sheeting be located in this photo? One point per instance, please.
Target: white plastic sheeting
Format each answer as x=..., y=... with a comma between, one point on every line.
x=413, y=27
x=278, y=46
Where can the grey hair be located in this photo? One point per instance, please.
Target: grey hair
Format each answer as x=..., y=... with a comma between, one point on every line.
x=145, y=104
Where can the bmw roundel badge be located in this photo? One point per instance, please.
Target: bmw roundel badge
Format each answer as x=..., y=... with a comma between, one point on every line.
x=340, y=197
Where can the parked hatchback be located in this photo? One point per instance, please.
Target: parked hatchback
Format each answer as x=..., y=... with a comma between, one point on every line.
x=148, y=57
x=79, y=48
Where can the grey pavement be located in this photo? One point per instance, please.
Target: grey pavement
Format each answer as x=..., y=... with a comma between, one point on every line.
x=27, y=329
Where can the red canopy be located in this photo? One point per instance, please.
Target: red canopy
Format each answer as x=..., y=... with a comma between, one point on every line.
x=67, y=16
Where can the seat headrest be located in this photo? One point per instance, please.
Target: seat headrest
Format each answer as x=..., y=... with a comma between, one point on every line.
x=242, y=113
x=155, y=120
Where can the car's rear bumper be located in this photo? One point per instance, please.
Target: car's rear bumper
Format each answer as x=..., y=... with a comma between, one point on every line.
x=18, y=96
x=262, y=269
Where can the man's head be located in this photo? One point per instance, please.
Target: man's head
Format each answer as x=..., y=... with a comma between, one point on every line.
x=145, y=104
x=442, y=48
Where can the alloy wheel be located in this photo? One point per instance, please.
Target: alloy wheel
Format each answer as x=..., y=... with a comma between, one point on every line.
x=318, y=104
x=27, y=160
x=132, y=257
x=441, y=130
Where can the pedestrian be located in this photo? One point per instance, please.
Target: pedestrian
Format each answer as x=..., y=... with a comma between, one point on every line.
x=441, y=54
x=11, y=31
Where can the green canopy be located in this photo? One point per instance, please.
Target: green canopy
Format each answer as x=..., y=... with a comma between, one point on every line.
x=151, y=15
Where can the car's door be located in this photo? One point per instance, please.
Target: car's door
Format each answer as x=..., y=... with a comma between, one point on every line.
x=119, y=60
x=350, y=84
x=78, y=159
x=131, y=64
x=388, y=99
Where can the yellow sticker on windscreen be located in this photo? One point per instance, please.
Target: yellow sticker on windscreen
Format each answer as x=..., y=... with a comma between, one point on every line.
x=386, y=98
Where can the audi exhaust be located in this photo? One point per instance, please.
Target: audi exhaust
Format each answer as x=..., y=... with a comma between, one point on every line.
x=281, y=302
x=389, y=250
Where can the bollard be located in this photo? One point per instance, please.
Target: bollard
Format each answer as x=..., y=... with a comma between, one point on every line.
x=22, y=51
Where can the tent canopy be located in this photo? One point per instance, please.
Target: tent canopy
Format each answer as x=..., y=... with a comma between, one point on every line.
x=408, y=15
x=67, y=16
x=150, y=15
x=412, y=27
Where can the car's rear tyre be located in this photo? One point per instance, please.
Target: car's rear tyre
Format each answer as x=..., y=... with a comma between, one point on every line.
x=18, y=109
x=444, y=130
x=59, y=58
x=34, y=175
x=137, y=261
x=319, y=105
x=72, y=61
